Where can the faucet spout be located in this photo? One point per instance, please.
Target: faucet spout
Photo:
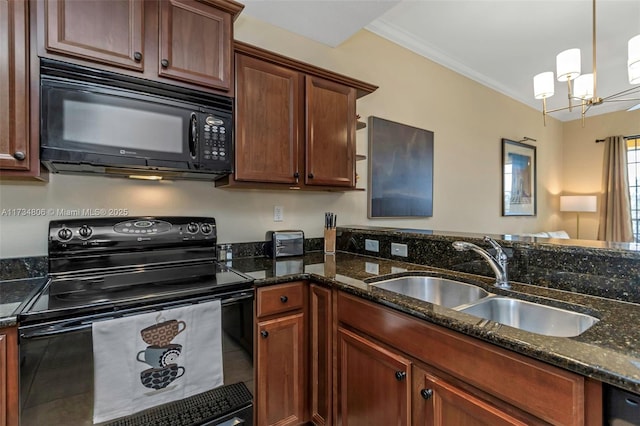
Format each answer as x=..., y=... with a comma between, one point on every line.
x=498, y=262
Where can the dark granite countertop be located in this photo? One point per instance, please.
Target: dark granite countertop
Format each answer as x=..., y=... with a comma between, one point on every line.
x=609, y=351
x=14, y=294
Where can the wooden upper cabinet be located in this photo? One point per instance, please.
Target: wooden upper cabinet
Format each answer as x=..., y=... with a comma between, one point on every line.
x=14, y=86
x=268, y=121
x=195, y=43
x=182, y=42
x=110, y=32
x=331, y=137
x=295, y=124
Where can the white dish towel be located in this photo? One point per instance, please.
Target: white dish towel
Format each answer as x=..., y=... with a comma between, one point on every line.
x=150, y=359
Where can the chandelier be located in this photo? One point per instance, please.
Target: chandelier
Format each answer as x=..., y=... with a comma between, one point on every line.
x=583, y=90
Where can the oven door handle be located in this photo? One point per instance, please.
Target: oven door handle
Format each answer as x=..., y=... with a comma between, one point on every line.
x=52, y=331
x=66, y=327
x=235, y=299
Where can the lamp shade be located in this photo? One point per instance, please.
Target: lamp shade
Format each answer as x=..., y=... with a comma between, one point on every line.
x=583, y=86
x=568, y=64
x=578, y=203
x=543, y=85
x=634, y=60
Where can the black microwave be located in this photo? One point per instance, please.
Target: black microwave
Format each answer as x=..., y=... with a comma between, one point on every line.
x=100, y=122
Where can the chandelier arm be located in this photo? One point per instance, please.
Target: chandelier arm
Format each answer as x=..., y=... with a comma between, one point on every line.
x=622, y=93
x=622, y=100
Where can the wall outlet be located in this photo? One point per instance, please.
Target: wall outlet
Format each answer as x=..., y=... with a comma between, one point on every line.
x=372, y=245
x=278, y=213
x=371, y=268
x=399, y=249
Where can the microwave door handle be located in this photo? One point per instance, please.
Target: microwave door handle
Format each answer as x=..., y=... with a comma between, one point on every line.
x=193, y=135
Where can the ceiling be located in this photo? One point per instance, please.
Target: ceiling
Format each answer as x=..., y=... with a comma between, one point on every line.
x=501, y=44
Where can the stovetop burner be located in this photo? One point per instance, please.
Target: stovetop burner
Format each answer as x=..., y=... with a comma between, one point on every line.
x=96, y=267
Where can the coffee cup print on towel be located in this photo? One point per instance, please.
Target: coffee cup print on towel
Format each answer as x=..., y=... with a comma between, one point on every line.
x=163, y=333
x=160, y=356
x=160, y=378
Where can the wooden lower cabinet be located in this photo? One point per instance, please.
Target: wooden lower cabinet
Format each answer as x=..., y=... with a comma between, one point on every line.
x=280, y=369
x=321, y=360
x=465, y=381
x=8, y=377
x=327, y=357
x=374, y=383
x=281, y=355
x=437, y=402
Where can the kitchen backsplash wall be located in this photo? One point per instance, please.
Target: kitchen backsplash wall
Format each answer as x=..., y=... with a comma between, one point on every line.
x=612, y=273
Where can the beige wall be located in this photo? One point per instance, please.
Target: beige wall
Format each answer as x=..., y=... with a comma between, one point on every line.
x=582, y=165
x=468, y=119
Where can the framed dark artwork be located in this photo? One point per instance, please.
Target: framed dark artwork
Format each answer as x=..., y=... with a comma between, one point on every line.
x=400, y=170
x=519, y=189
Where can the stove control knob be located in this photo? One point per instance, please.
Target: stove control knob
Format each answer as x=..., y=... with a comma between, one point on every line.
x=85, y=231
x=192, y=227
x=65, y=234
x=205, y=228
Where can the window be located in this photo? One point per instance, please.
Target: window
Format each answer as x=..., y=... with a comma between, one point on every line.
x=633, y=165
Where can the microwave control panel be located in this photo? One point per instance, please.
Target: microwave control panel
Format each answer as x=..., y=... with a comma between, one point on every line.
x=215, y=145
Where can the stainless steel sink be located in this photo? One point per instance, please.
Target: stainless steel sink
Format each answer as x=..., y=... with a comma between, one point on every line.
x=533, y=317
x=439, y=291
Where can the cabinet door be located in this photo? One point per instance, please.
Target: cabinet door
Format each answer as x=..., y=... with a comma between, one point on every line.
x=8, y=377
x=14, y=90
x=268, y=121
x=438, y=403
x=331, y=133
x=109, y=32
x=320, y=324
x=280, y=371
x=374, y=383
x=195, y=43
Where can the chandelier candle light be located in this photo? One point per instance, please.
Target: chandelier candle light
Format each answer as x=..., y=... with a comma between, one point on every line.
x=584, y=86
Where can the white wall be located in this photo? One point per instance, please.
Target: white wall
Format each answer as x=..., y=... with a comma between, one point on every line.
x=468, y=119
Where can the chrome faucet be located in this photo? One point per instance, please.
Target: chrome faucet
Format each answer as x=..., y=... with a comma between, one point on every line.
x=498, y=262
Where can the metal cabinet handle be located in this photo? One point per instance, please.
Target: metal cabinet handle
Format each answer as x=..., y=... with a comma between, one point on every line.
x=310, y=175
x=284, y=299
x=164, y=63
x=400, y=375
x=264, y=333
x=137, y=56
x=19, y=155
x=426, y=393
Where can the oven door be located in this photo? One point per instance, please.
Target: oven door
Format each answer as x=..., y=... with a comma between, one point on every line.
x=57, y=369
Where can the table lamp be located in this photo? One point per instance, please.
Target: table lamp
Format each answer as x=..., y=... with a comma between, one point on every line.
x=578, y=204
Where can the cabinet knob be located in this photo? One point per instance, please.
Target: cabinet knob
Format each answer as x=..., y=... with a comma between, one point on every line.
x=164, y=63
x=426, y=393
x=296, y=175
x=310, y=175
x=264, y=333
x=19, y=155
x=137, y=56
x=284, y=299
x=400, y=375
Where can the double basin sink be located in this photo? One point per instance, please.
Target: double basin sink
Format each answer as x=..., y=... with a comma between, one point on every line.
x=473, y=300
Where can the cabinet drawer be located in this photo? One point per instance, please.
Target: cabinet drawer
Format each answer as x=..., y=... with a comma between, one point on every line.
x=280, y=298
x=549, y=393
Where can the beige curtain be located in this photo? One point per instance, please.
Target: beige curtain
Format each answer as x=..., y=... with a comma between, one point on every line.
x=615, y=205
